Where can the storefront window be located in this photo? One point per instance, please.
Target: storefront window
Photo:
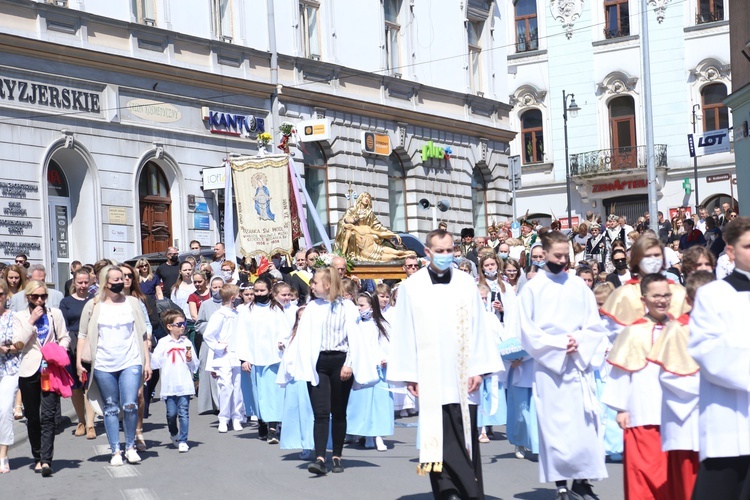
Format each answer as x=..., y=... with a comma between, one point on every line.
x=57, y=184
x=316, y=182
x=396, y=194
x=479, y=202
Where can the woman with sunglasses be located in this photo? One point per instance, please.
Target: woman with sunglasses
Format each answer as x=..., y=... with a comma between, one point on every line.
x=113, y=324
x=9, y=364
x=147, y=282
x=132, y=289
x=36, y=326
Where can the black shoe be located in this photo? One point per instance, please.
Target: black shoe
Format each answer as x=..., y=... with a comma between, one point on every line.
x=318, y=467
x=450, y=495
x=272, y=438
x=584, y=490
x=262, y=430
x=46, y=470
x=337, y=467
x=566, y=494
x=490, y=432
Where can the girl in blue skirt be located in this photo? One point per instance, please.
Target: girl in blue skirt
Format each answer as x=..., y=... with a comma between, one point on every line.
x=370, y=409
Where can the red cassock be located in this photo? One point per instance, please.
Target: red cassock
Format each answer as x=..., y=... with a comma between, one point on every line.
x=645, y=464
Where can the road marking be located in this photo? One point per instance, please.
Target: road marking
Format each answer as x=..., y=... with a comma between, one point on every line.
x=102, y=449
x=122, y=471
x=139, y=494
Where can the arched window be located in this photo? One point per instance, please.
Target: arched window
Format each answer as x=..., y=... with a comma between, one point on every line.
x=316, y=182
x=479, y=202
x=533, y=136
x=622, y=128
x=155, y=207
x=396, y=194
x=715, y=114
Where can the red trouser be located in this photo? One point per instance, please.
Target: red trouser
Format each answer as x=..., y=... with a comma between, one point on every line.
x=645, y=464
x=682, y=472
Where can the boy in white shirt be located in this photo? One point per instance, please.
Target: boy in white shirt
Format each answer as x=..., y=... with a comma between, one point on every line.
x=175, y=358
x=633, y=390
x=223, y=360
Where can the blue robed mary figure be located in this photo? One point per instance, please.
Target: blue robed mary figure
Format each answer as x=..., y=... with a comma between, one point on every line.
x=263, y=199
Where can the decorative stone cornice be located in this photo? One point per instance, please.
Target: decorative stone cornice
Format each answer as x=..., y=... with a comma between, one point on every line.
x=567, y=13
x=527, y=96
x=617, y=82
x=659, y=7
x=709, y=70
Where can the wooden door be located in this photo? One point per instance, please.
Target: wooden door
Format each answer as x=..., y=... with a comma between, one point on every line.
x=623, y=142
x=156, y=226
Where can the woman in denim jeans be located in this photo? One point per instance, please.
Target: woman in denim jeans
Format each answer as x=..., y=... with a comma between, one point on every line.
x=113, y=326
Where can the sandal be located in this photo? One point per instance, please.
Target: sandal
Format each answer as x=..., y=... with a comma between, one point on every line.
x=80, y=429
x=4, y=465
x=90, y=433
x=18, y=412
x=140, y=442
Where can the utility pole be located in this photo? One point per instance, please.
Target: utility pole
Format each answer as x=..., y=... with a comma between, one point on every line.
x=649, y=118
x=695, y=160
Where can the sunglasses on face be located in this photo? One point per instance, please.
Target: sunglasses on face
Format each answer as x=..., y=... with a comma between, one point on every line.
x=620, y=261
x=34, y=296
x=181, y=324
x=128, y=275
x=143, y=266
x=20, y=261
x=411, y=266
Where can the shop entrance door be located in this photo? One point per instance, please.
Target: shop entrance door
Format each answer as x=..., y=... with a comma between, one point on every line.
x=155, y=209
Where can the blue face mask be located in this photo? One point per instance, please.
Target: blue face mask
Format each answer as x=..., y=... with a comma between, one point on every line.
x=442, y=261
x=539, y=264
x=503, y=255
x=366, y=315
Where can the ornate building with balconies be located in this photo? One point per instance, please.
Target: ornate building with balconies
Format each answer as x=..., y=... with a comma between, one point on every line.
x=593, y=51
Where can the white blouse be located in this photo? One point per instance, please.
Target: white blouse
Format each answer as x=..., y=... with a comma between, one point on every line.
x=116, y=348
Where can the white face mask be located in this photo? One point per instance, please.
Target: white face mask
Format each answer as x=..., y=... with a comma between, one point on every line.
x=650, y=265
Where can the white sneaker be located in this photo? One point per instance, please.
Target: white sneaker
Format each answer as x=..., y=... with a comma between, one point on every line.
x=175, y=441
x=183, y=447
x=379, y=444
x=369, y=443
x=116, y=460
x=237, y=424
x=254, y=419
x=520, y=452
x=132, y=456
x=223, y=427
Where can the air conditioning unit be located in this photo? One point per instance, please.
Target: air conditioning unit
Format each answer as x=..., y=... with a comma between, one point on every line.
x=149, y=22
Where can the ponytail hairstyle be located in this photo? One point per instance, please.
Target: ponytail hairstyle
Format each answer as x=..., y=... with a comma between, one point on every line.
x=298, y=316
x=377, y=316
x=331, y=276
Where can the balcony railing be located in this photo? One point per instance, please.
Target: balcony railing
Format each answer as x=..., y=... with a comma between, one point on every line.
x=616, y=32
x=608, y=160
x=709, y=17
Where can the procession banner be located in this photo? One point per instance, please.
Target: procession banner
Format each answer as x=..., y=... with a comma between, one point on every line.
x=261, y=190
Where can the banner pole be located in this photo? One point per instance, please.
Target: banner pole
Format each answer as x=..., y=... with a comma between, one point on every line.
x=229, y=243
x=313, y=212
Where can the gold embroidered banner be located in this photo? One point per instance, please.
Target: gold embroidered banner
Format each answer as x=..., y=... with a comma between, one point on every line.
x=261, y=191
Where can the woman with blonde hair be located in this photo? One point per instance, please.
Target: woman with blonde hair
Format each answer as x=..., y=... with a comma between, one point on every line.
x=10, y=361
x=113, y=331
x=15, y=277
x=35, y=327
x=327, y=357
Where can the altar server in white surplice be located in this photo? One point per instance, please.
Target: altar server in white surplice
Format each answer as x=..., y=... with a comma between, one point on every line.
x=562, y=331
x=262, y=329
x=441, y=349
x=720, y=344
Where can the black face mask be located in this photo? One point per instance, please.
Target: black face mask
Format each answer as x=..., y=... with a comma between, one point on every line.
x=237, y=302
x=621, y=264
x=263, y=299
x=173, y=259
x=117, y=287
x=556, y=268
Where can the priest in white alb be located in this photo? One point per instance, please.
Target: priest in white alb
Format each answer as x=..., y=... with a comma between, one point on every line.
x=441, y=349
x=562, y=332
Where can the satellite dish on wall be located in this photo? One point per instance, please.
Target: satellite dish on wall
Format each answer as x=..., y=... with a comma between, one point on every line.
x=424, y=204
x=443, y=205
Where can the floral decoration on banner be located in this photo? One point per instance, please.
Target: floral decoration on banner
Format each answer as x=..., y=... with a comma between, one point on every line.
x=286, y=129
x=264, y=138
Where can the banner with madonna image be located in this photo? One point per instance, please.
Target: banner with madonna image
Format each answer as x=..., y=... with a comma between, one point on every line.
x=261, y=191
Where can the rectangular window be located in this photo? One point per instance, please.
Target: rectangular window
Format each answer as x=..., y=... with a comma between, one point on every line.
x=709, y=11
x=474, y=29
x=144, y=11
x=715, y=114
x=617, y=20
x=222, y=19
x=309, y=29
x=527, y=31
x=391, y=9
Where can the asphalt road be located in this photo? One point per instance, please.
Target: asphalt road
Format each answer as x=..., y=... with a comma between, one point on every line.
x=238, y=465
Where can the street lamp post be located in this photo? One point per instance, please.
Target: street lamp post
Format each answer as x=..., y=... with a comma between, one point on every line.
x=573, y=109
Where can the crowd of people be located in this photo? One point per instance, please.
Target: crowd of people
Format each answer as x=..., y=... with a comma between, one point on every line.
x=587, y=346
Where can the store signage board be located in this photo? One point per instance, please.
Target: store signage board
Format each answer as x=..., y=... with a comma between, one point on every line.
x=376, y=143
x=314, y=130
x=718, y=177
x=213, y=178
x=708, y=143
x=117, y=215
